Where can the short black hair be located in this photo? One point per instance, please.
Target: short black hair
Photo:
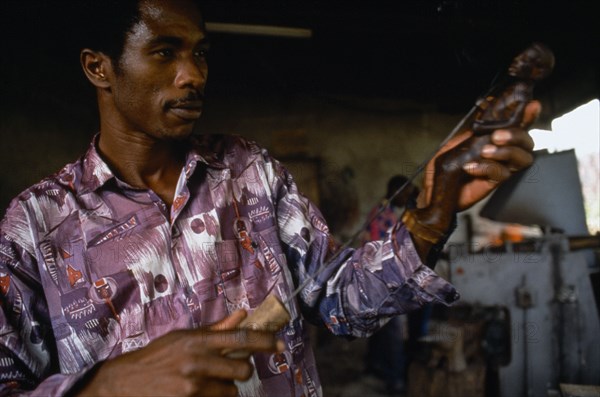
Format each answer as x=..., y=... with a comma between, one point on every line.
x=106, y=23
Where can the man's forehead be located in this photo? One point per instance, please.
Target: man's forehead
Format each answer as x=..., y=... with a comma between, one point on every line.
x=170, y=17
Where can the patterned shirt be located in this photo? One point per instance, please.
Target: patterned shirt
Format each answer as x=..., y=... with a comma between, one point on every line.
x=91, y=268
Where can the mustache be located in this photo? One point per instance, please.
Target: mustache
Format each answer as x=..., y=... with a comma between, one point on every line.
x=190, y=99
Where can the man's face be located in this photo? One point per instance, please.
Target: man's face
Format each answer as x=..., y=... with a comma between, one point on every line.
x=159, y=83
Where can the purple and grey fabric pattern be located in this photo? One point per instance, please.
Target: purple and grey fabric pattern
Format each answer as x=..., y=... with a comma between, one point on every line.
x=91, y=268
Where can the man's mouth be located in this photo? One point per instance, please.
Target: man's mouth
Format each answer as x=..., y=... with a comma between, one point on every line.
x=188, y=110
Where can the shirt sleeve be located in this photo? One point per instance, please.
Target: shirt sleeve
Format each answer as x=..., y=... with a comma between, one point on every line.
x=28, y=357
x=360, y=289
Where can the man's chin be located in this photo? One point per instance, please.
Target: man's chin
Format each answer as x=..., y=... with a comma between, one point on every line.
x=178, y=134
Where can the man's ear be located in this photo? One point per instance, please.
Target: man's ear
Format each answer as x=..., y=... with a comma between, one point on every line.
x=97, y=67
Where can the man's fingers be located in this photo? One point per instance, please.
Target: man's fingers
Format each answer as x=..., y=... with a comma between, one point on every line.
x=492, y=171
x=513, y=157
x=238, y=339
x=219, y=367
x=230, y=322
x=514, y=137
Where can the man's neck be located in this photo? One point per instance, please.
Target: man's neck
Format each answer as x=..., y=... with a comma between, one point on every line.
x=142, y=161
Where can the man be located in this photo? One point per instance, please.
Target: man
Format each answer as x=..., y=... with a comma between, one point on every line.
x=127, y=272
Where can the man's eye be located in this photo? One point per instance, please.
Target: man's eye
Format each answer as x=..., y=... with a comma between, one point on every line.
x=201, y=53
x=165, y=53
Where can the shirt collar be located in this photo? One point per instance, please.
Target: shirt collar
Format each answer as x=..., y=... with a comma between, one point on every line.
x=208, y=149
x=96, y=172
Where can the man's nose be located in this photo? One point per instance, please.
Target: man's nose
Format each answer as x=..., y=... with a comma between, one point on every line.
x=191, y=73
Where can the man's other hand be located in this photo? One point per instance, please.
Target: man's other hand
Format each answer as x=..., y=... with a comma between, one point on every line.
x=184, y=363
x=496, y=158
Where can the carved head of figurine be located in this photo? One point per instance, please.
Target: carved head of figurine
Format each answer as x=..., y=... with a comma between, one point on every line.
x=534, y=63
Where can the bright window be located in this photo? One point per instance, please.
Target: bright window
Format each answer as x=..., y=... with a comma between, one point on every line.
x=579, y=130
